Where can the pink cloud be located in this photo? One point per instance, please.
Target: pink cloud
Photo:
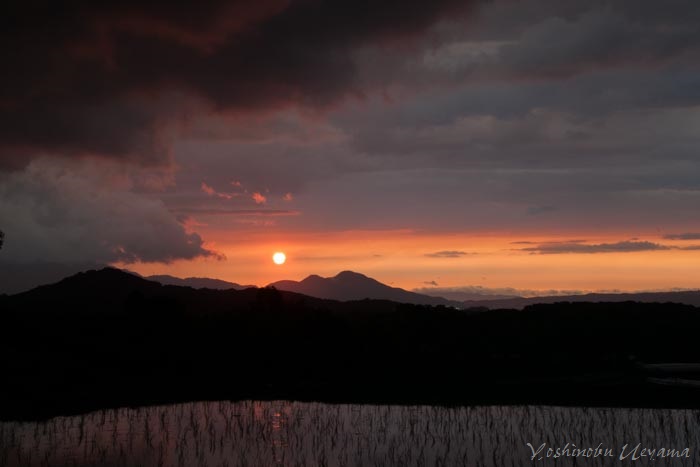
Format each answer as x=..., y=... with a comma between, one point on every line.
x=208, y=190
x=212, y=192
x=288, y=197
x=259, y=198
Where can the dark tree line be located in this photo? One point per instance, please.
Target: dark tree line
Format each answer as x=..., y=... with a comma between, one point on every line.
x=108, y=339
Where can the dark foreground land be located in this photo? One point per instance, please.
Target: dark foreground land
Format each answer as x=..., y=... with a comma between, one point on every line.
x=108, y=339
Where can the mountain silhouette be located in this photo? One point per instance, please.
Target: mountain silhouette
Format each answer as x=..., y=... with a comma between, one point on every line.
x=115, y=289
x=106, y=285
x=19, y=277
x=111, y=286
x=518, y=303
x=197, y=282
x=348, y=285
x=108, y=338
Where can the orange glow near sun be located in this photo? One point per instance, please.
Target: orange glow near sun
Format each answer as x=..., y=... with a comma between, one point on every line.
x=405, y=258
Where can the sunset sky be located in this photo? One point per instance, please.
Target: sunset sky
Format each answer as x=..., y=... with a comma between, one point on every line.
x=540, y=145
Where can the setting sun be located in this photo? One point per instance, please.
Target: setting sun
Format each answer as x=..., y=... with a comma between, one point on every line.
x=279, y=258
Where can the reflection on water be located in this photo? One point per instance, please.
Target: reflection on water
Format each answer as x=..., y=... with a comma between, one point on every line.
x=313, y=434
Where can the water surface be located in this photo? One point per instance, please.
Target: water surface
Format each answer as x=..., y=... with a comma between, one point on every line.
x=281, y=433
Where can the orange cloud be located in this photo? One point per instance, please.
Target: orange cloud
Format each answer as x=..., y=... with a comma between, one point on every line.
x=259, y=198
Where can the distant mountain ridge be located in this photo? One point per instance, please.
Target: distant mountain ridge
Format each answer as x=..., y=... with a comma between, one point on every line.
x=111, y=289
x=686, y=298
x=110, y=284
x=197, y=282
x=349, y=285
x=20, y=277
x=459, y=296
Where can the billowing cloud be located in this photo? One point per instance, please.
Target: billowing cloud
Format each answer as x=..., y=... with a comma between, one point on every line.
x=578, y=247
x=447, y=254
x=54, y=213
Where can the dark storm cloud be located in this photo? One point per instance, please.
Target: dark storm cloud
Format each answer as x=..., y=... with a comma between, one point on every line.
x=578, y=247
x=103, y=77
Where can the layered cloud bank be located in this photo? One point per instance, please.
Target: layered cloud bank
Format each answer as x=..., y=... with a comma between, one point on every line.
x=155, y=133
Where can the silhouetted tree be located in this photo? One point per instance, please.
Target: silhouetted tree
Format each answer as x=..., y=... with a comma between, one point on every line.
x=2, y=238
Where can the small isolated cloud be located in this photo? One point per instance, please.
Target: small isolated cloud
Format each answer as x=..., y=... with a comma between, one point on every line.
x=578, y=247
x=212, y=192
x=432, y=283
x=288, y=197
x=683, y=236
x=528, y=242
x=447, y=254
x=208, y=190
x=259, y=198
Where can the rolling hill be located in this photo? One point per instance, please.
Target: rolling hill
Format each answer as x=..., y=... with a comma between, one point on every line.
x=197, y=282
